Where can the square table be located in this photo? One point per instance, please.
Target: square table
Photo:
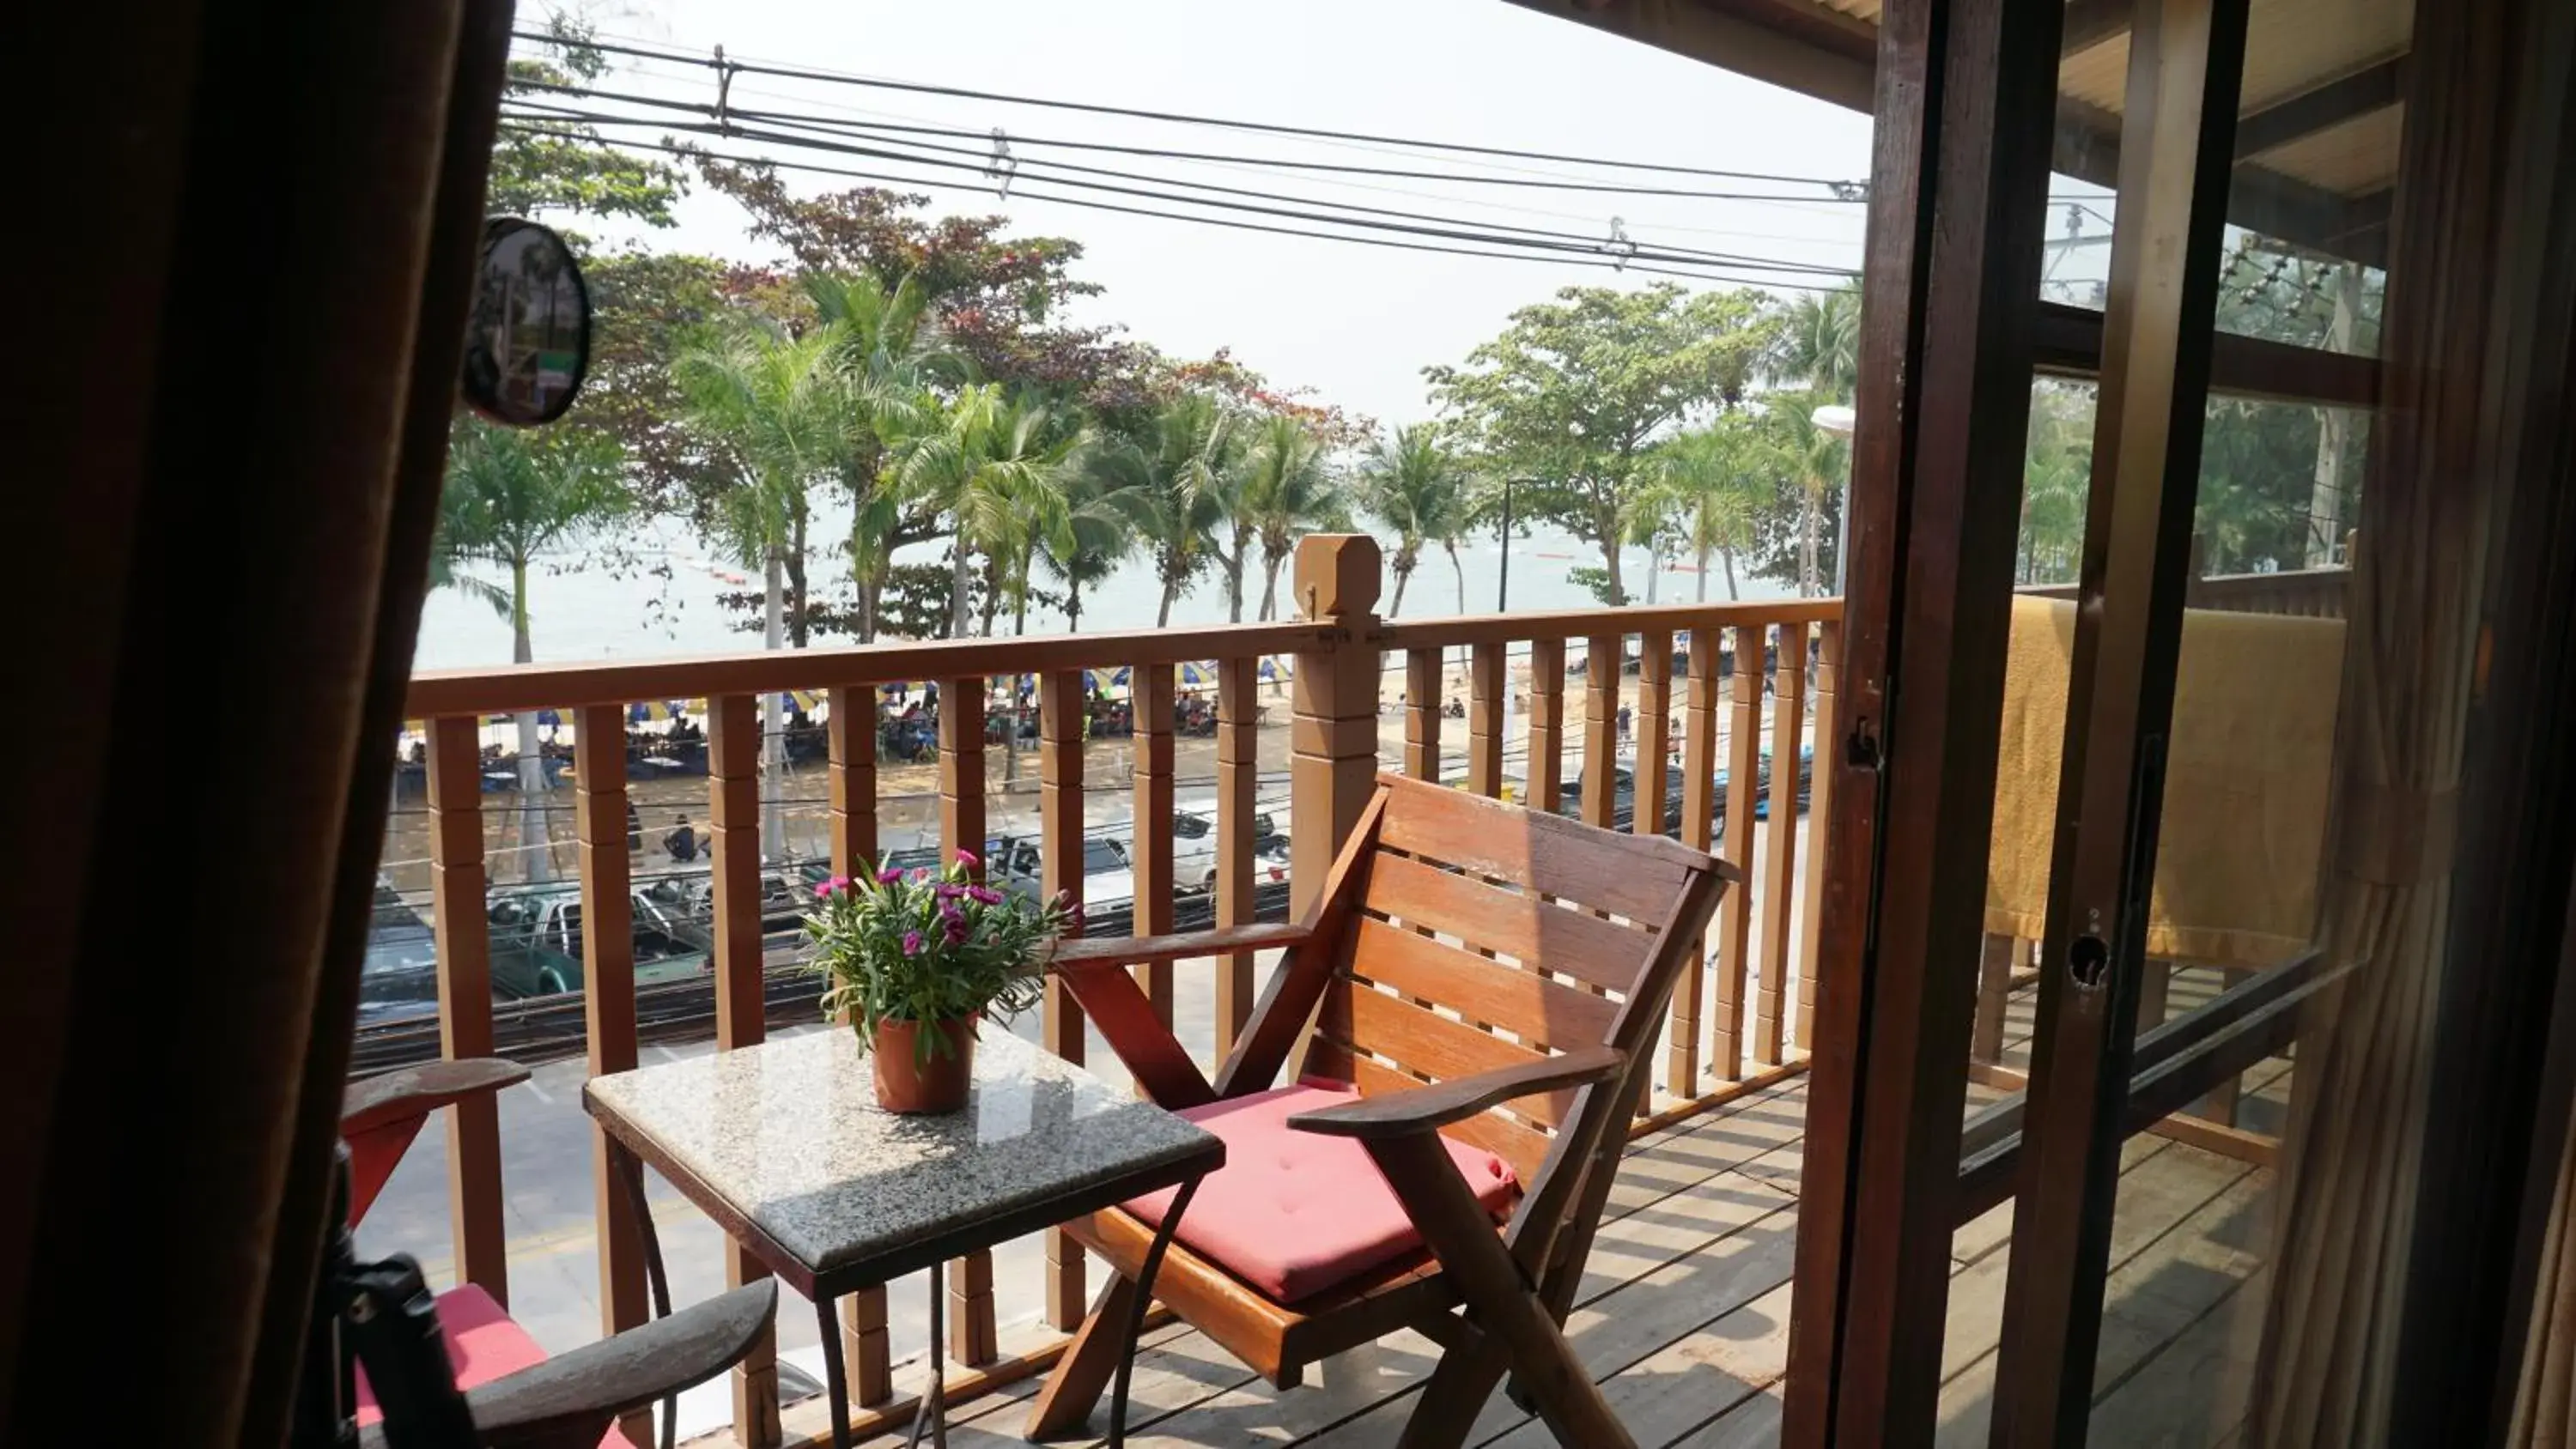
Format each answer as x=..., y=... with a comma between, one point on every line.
x=784, y=1146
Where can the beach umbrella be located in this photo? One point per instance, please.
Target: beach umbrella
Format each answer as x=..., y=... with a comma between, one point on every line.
x=1272, y=669
x=1193, y=672
x=1105, y=680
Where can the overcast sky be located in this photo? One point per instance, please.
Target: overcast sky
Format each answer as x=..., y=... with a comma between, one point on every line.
x=1356, y=323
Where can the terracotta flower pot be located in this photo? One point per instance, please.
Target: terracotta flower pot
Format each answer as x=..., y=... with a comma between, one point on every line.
x=907, y=1082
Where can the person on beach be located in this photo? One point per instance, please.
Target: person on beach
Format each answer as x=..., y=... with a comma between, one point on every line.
x=682, y=843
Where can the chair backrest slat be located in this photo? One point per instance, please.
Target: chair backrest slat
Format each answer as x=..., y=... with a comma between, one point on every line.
x=1480, y=936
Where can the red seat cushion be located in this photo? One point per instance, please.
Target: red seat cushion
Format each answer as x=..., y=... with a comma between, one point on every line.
x=1293, y=1213
x=484, y=1343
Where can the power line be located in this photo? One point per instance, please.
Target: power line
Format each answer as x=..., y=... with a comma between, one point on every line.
x=521, y=126
x=1541, y=237
x=1173, y=117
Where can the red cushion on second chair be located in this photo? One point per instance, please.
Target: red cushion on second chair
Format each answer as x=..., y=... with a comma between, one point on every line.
x=484, y=1343
x=1294, y=1213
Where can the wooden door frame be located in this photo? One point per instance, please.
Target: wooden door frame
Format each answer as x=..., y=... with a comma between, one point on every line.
x=1966, y=107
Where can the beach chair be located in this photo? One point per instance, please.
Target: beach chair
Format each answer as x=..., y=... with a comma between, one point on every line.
x=1484, y=985
x=520, y=1397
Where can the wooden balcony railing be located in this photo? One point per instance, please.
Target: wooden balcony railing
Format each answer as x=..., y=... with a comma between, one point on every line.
x=1740, y=1023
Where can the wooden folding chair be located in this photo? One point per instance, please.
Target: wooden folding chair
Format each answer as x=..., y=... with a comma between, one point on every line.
x=520, y=1397
x=1484, y=985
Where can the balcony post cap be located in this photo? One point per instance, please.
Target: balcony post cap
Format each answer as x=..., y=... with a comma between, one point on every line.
x=1337, y=574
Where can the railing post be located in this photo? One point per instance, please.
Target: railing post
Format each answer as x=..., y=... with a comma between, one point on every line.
x=1332, y=765
x=1238, y=776
x=1545, y=767
x=463, y=931
x=1488, y=682
x=733, y=803
x=1735, y=914
x=1422, y=713
x=1811, y=905
x=972, y=1336
x=1150, y=841
x=1062, y=711
x=1699, y=813
x=1653, y=727
x=852, y=731
x=1779, y=877
x=608, y=997
x=1602, y=665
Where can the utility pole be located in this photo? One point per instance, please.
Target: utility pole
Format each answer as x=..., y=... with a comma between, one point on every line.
x=1503, y=588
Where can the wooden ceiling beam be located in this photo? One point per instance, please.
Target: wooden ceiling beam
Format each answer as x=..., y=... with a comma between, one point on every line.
x=2068, y=343
x=2324, y=107
x=2091, y=22
x=1793, y=44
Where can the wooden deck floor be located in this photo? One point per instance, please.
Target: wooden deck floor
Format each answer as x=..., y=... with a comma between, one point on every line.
x=1684, y=1314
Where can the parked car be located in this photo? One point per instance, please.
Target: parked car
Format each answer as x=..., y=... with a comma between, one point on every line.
x=1194, y=855
x=536, y=941
x=1624, y=792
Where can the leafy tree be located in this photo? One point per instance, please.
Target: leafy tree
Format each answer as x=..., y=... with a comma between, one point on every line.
x=1422, y=492
x=1574, y=393
x=1092, y=538
x=1716, y=479
x=2056, y=477
x=1288, y=489
x=513, y=498
x=1174, y=485
x=1818, y=465
x=892, y=353
x=572, y=171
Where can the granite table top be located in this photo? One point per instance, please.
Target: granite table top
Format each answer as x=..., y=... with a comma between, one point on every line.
x=785, y=1139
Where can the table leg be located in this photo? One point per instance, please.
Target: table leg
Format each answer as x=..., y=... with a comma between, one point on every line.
x=933, y=1409
x=836, y=1384
x=631, y=1167
x=1136, y=1311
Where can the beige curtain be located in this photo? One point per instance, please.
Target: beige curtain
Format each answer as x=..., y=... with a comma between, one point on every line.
x=2351, y=1159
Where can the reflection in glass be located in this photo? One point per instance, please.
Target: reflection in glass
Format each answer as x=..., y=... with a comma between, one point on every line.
x=529, y=341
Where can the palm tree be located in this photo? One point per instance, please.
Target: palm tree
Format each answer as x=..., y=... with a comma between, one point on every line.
x=1287, y=490
x=1095, y=534
x=782, y=407
x=1175, y=487
x=993, y=469
x=1818, y=344
x=512, y=497
x=1813, y=458
x=892, y=352
x=1418, y=489
x=1717, y=478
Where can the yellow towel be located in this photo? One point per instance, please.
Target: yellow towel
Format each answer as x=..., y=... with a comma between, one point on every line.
x=2245, y=784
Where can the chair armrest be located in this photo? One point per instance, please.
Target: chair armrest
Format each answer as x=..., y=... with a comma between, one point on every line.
x=1426, y=1109
x=410, y=1092
x=1140, y=950
x=568, y=1401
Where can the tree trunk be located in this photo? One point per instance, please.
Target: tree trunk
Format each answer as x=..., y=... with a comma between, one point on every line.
x=1654, y=573
x=1171, y=589
x=1728, y=555
x=1234, y=577
x=1403, y=576
x=957, y=592
x=1270, y=583
x=1609, y=534
x=992, y=592
x=536, y=839
x=1459, y=570
x=1072, y=604
x=773, y=723
x=797, y=622
x=2334, y=429
x=1809, y=585
x=1703, y=577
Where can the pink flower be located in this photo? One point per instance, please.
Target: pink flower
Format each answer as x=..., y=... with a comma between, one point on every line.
x=920, y=873
x=985, y=894
x=955, y=930
x=889, y=875
x=912, y=943
x=969, y=859
x=948, y=892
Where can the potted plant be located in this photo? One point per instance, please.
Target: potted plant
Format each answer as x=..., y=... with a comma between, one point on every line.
x=914, y=960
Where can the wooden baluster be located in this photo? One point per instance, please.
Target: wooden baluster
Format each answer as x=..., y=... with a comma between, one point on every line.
x=1151, y=845
x=608, y=999
x=1238, y=778
x=1487, y=680
x=853, y=776
x=1601, y=729
x=1063, y=706
x=1545, y=766
x=973, y=1338
x=1779, y=875
x=1332, y=766
x=1654, y=708
x=1422, y=714
x=1699, y=810
x=1735, y=920
x=1811, y=891
x=1996, y=957
x=463, y=929
x=733, y=790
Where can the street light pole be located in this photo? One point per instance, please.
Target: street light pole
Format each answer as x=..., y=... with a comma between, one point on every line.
x=1503, y=588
